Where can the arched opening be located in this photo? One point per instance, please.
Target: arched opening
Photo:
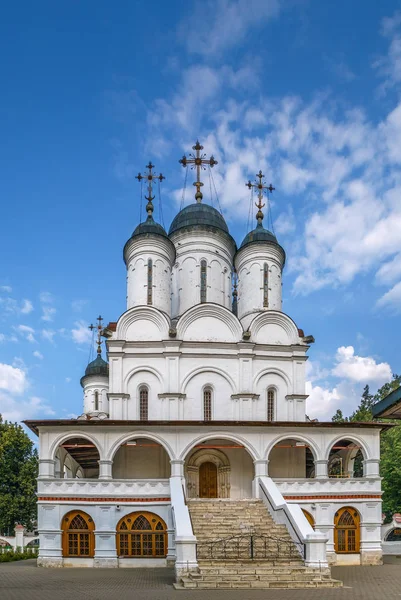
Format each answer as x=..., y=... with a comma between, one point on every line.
x=207, y=404
x=5, y=545
x=265, y=285
x=142, y=535
x=203, y=281
x=394, y=535
x=150, y=281
x=78, y=537
x=271, y=404
x=219, y=468
x=143, y=403
x=346, y=531
x=346, y=460
x=141, y=458
x=291, y=458
x=310, y=518
x=77, y=457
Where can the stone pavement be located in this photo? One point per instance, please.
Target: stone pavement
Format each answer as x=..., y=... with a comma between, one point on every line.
x=24, y=581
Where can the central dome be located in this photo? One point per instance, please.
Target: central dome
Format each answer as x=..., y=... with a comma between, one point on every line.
x=200, y=215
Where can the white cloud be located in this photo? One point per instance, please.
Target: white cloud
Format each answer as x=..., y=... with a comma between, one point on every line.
x=81, y=334
x=215, y=26
x=27, y=307
x=16, y=410
x=38, y=354
x=360, y=369
x=48, y=334
x=390, y=271
x=68, y=379
x=389, y=66
x=392, y=298
x=48, y=313
x=322, y=403
x=78, y=305
x=6, y=288
x=12, y=379
x=27, y=332
x=46, y=298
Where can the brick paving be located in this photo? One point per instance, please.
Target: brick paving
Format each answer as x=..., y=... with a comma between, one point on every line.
x=24, y=581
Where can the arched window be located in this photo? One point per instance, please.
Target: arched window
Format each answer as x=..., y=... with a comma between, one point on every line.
x=310, y=519
x=207, y=404
x=96, y=400
x=265, y=285
x=346, y=531
x=203, y=281
x=143, y=404
x=394, y=535
x=142, y=535
x=78, y=536
x=150, y=280
x=271, y=397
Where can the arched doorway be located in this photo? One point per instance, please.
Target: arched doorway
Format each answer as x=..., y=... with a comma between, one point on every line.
x=346, y=531
x=208, y=480
x=77, y=454
x=141, y=458
x=346, y=460
x=309, y=517
x=142, y=535
x=78, y=536
x=291, y=458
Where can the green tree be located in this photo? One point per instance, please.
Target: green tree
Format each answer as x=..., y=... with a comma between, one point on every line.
x=18, y=472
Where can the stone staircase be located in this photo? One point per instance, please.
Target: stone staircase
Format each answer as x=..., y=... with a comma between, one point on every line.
x=230, y=533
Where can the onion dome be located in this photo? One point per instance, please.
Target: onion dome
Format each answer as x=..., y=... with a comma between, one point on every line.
x=149, y=226
x=198, y=215
x=97, y=367
x=259, y=234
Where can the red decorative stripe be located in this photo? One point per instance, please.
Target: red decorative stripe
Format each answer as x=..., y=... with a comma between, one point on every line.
x=333, y=497
x=83, y=499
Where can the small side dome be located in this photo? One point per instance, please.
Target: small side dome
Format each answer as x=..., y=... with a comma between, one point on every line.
x=198, y=215
x=97, y=367
x=149, y=226
x=259, y=234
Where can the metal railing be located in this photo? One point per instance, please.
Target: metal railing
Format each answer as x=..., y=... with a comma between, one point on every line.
x=249, y=546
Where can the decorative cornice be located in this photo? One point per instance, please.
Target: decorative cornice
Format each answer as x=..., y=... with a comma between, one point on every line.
x=245, y=395
x=111, y=395
x=334, y=497
x=297, y=396
x=98, y=499
x=172, y=395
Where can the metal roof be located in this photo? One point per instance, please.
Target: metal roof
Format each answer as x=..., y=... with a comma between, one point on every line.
x=390, y=406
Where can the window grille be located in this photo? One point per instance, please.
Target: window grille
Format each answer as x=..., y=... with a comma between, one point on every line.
x=270, y=404
x=203, y=281
x=207, y=405
x=150, y=280
x=143, y=404
x=146, y=537
x=265, y=285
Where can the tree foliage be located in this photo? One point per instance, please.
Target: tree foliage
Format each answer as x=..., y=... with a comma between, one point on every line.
x=390, y=445
x=18, y=472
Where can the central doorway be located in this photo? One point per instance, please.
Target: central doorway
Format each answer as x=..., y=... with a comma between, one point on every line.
x=208, y=480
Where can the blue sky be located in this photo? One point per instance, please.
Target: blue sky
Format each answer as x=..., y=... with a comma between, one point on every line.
x=309, y=91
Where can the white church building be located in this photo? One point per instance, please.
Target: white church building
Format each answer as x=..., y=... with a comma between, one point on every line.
x=194, y=448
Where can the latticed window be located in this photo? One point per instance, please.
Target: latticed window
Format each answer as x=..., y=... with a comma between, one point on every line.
x=143, y=404
x=96, y=400
x=142, y=535
x=150, y=281
x=207, y=404
x=203, y=281
x=265, y=285
x=347, y=531
x=78, y=537
x=270, y=404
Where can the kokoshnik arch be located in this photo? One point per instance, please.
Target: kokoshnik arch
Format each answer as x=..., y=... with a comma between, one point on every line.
x=202, y=396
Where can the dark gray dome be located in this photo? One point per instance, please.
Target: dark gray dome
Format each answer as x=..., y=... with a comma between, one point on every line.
x=149, y=226
x=259, y=234
x=198, y=215
x=96, y=367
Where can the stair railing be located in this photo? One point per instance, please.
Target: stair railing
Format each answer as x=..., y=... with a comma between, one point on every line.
x=249, y=546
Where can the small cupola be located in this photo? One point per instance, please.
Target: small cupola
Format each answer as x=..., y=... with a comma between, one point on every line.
x=95, y=382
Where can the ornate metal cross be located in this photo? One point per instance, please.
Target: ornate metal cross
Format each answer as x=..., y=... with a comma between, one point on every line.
x=260, y=186
x=197, y=161
x=99, y=328
x=150, y=177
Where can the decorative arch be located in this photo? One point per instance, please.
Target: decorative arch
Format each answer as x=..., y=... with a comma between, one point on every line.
x=271, y=403
x=220, y=436
x=143, y=369
x=347, y=531
x=142, y=313
x=74, y=434
x=4, y=543
x=207, y=369
x=208, y=457
x=210, y=310
x=299, y=438
x=278, y=321
x=141, y=535
x=274, y=371
x=139, y=434
x=78, y=540
x=352, y=438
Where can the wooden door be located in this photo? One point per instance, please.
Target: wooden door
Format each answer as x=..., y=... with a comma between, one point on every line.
x=208, y=480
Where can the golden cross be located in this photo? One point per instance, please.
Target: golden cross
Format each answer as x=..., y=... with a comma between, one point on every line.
x=150, y=176
x=99, y=328
x=259, y=185
x=198, y=161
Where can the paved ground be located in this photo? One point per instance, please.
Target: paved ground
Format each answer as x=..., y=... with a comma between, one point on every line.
x=24, y=581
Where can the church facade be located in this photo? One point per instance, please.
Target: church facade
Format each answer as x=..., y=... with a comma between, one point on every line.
x=202, y=403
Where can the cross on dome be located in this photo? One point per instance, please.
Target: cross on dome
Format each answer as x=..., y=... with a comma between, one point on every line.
x=150, y=177
x=197, y=161
x=260, y=186
x=99, y=328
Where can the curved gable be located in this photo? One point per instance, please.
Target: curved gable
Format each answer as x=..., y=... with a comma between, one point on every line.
x=209, y=323
x=142, y=323
x=274, y=327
